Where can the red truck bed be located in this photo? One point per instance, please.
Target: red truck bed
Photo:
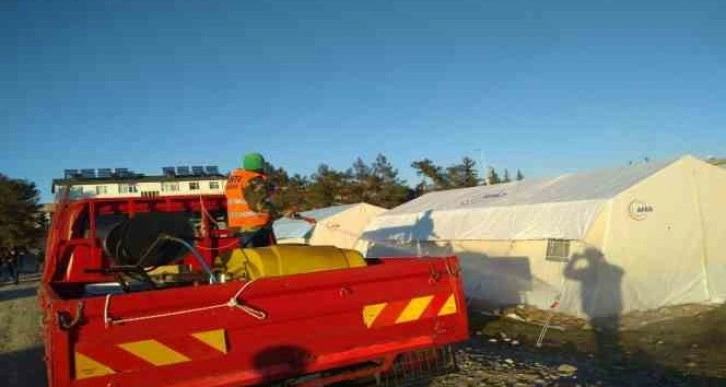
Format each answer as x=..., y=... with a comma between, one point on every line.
x=334, y=325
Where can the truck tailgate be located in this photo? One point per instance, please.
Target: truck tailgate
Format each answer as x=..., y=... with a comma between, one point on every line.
x=247, y=333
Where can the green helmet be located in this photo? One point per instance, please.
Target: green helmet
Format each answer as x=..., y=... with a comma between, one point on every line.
x=253, y=162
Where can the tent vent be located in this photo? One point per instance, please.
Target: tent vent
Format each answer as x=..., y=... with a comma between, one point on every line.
x=558, y=250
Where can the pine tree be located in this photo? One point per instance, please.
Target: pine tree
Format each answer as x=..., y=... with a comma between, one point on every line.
x=506, y=178
x=363, y=181
x=428, y=170
x=391, y=190
x=454, y=176
x=328, y=187
x=289, y=192
x=520, y=176
x=462, y=174
x=493, y=177
x=471, y=176
x=297, y=193
x=21, y=220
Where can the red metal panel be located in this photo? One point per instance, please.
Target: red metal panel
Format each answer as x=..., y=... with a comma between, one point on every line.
x=315, y=321
x=307, y=314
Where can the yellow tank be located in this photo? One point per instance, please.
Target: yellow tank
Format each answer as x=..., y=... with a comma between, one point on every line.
x=272, y=261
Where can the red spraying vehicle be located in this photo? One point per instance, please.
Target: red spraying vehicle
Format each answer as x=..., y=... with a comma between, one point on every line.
x=156, y=291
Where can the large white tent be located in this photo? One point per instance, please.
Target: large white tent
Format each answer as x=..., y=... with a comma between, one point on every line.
x=339, y=226
x=601, y=243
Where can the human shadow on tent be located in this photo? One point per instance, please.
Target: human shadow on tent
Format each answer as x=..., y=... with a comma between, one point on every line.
x=417, y=238
x=601, y=298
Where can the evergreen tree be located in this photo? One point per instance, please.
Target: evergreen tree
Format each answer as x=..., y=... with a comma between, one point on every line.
x=454, y=176
x=289, y=192
x=520, y=176
x=427, y=169
x=361, y=171
x=391, y=190
x=21, y=220
x=470, y=175
x=363, y=181
x=492, y=177
x=328, y=187
x=376, y=183
x=463, y=174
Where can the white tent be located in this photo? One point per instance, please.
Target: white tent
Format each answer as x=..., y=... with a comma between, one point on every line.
x=603, y=243
x=339, y=226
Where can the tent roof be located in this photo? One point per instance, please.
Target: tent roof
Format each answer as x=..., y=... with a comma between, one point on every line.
x=290, y=228
x=599, y=184
x=560, y=207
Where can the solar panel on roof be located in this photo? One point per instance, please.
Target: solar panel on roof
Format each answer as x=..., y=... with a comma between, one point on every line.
x=88, y=173
x=70, y=173
x=169, y=171
x=104, y=172
x=212, y=170
x=182, y=171
x=122, y=172
x=197, y=170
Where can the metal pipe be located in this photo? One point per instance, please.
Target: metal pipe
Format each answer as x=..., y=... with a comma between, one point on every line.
x=200, y=259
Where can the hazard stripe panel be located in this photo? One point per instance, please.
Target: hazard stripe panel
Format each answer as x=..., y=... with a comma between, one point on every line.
x=98, y=360
x=214, y=339
x=154, y=352
x=404, y=311
x=449, y=307
x=371, y=312
x=414, y=309
x=89, y=368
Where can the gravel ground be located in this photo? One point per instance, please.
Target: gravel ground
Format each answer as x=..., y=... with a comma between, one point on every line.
x=21, y=342
x=21, y=353
x=504, y=364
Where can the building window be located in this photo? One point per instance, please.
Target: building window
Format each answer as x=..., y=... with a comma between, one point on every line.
x=73, y=192
x=213, y=185
x=170, y=187
x=149, y=194
x=127, y=188
x=101, y=190
x=193, y=185
x=558, y=250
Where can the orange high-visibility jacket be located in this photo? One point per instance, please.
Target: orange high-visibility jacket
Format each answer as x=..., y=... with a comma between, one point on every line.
x=239, y=213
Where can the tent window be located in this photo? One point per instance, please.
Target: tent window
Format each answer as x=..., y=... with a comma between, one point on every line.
x=558, y=249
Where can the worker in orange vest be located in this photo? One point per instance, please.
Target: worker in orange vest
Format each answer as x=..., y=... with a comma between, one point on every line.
x=250, y=211
x=249, y=206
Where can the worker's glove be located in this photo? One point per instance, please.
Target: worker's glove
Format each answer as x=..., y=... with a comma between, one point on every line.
x=290, y=214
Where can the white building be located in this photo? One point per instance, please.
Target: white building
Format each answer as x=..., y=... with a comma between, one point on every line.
x=107, y=183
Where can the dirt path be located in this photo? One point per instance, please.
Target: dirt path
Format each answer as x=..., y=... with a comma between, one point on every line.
x=21, y=353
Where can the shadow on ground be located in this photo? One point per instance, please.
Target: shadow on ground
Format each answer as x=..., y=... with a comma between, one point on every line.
x=11, y=292
x=681, y=351
x=23, y=368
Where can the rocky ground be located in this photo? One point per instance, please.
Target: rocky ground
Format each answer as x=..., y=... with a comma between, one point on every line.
x=685, y=350
x=502, y=364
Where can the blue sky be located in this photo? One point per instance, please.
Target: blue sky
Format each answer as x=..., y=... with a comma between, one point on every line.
x=545, y=86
